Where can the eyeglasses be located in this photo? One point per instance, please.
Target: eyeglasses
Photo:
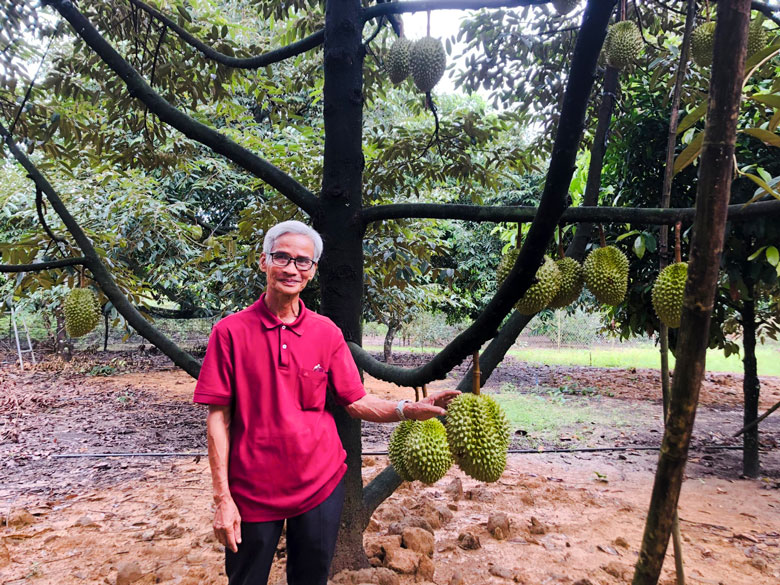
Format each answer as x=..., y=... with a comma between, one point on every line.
x=302, y=263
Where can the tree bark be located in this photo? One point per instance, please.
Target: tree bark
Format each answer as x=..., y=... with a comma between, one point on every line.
x=750, y=383
x=341, y=268
x=388, y=345
x=715, y=176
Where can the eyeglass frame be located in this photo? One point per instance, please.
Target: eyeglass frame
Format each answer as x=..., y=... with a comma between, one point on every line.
x=295, y=260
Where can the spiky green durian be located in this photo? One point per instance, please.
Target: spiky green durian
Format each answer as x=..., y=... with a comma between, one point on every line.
x=397, y=61
x=478, y=435
x=572, y=279
x=427, y=61
x=397, y=449
x=702, y=43
x=505, y=265
x=623, y=44
x=427, y=451
x=668, y=293
x=606, y=274
x=565, y=6
x=758, y=37
x=82, y=312
x=539, y=294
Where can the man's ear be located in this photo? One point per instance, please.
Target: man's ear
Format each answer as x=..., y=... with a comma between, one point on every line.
x=262, y=262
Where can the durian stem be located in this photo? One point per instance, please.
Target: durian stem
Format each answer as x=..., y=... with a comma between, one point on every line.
x=476, y=375
x=677, y=242
x=428, y=25
x=602, y=237
x=81, y=276
x=561, y=251
x=519, y=237
x=425, y=391
x=416, y=394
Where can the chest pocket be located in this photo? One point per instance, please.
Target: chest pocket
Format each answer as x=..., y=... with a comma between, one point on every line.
x=312, y=388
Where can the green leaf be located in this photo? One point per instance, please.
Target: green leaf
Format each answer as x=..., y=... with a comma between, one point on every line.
x=689, y=154
x=757, y=253
x=626, y=235
x=761, y=183
x=772, y=255
x=694, y=116
x=765, y=136
x=639, y=246
x=770, y=99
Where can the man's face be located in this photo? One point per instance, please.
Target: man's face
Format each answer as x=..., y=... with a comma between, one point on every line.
x=288, y=280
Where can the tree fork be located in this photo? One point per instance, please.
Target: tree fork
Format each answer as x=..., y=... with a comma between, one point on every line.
x=715, y=177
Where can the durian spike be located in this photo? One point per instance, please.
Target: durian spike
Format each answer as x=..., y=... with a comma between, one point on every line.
x=677, y=243
x=476, y=374
x=602, y=238
x=425, y=391
x=416, y=394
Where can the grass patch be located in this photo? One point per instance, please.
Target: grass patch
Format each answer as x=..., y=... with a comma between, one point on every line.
x=548, y=415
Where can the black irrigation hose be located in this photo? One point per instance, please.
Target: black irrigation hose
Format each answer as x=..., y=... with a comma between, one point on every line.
x=511, y=451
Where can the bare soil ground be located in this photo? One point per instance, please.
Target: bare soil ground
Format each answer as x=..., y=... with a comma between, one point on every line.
x=572, y=516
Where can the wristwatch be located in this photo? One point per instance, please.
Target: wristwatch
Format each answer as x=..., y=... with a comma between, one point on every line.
x=399, y=409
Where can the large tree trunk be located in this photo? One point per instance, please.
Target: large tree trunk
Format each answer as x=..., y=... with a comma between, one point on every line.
x=715, y=176
x=341, y=270
x=750, y=384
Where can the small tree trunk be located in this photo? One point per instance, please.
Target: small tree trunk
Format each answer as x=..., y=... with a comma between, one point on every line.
x=388, y=346
x=750, y=384
x=715, y=177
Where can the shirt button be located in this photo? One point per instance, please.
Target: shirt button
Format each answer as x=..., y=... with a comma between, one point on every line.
x=284, y=326
x=284, y=346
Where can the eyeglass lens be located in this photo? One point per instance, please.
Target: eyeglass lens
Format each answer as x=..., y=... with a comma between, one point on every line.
x=283, y=259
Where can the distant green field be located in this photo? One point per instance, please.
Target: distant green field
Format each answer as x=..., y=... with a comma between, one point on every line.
x=625, y=356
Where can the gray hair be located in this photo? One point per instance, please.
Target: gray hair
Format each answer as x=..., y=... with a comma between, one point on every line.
x=292, y=227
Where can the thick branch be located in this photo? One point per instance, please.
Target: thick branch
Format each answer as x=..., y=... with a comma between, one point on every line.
x=39, y=266
x=551, y=208
x=526, y=214
x=424, y=5
x=99, y=271
x=280, y=54
x=190, y=127
x=715, y=177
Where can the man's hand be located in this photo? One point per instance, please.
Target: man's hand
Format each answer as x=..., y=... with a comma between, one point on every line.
x=430, y=406
x=227, y=524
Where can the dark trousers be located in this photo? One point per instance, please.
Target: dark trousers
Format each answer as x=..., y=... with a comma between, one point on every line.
x=311, y=540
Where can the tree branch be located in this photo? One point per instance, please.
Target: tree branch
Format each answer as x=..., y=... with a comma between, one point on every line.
x=190, y=127
x=766, y=10
x=99, y=271
x=306, y=44
x=424, y=5
x=39, y=266
x=750, y=425
x=551, y=207
x=526, y=214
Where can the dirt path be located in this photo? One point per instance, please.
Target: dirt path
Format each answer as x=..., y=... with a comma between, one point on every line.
x=572, y=516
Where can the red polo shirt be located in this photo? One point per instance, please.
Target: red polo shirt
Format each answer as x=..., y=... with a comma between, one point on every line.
x=285, y=453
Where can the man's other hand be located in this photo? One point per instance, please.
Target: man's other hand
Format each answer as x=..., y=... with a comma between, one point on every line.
x=430, y=406
x=227, y=524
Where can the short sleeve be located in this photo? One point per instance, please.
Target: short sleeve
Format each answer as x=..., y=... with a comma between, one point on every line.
x=216, y=382
x=343, y=376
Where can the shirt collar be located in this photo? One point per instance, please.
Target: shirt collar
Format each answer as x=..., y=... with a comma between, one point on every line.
x=271, y=321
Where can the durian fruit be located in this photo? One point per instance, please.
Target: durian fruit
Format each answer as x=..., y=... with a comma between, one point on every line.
x=82, y=311
x=623, y=44
x=565, y=6
x=758, y=37
x=427, y=61
x=539, y=294
x=397, y=61
x=606, y=274
x=572, y=280
x=505, y=265
x=478, y=434
x=427, y=451
x=702, y=43
x=668, y=293
x=397, y=449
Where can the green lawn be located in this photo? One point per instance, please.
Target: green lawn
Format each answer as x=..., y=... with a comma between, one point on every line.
x=625, y=356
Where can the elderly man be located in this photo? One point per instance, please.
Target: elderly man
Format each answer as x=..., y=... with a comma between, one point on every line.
x=274, y=451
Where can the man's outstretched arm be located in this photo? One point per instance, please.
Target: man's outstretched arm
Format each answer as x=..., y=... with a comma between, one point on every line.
x=375, y=409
